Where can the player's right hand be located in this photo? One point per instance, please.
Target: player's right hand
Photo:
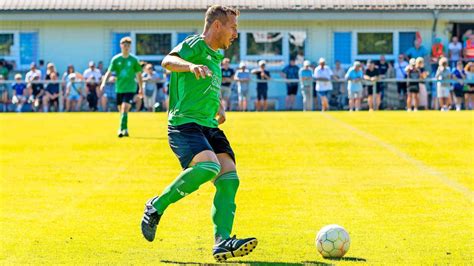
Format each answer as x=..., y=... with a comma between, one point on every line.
x=101, y=89
x=200, y=71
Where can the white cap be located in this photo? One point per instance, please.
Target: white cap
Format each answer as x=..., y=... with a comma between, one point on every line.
x=357, y=63
x=322, y=60
x=18, y=76
x=71, y=76
x=306, y=63
x=242, y=64
x=262, y=62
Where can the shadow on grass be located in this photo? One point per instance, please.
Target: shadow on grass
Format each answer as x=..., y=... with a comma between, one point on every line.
x=150, y=138
x=252, y=263
x=348, y=259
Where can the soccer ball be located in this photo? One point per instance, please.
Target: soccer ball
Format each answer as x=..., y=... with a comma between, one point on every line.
x=333, y=241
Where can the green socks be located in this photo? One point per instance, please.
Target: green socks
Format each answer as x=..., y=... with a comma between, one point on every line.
x=123, y=121
x=187, y=182
x=223, y=209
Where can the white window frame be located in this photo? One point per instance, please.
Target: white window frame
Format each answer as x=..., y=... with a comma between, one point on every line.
x=15, y=53
x=174, y=39
x=395, y=39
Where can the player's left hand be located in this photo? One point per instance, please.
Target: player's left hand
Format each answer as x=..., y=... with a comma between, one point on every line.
x=221, y=116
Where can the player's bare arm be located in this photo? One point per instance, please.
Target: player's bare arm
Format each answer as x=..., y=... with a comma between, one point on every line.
x=175, y=63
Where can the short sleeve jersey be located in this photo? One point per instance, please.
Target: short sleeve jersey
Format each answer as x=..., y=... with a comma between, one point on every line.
x=195, y=100
x=227, y=73
x=125, y=70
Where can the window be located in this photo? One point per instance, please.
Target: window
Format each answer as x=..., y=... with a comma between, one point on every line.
x=297, y=40
x=6, y=44
x=233, y=53
x=264, y=43
x=150, y=44
x=369, y=43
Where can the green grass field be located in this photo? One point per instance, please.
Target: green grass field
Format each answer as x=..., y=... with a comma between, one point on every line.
x=401, y=183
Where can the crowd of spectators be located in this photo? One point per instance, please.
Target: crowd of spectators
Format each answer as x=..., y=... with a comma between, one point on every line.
x=442, y=79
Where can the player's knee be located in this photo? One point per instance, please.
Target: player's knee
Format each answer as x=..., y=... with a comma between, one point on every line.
x=209, y=169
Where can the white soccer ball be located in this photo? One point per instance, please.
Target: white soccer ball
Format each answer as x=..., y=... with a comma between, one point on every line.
x=333, y=241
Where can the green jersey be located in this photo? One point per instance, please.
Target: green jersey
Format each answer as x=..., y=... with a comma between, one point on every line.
x=191, y=99
x=125, y=70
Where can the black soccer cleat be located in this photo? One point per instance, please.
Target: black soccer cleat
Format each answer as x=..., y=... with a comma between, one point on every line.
x=125, y=133
x=233, y=247
x=120, y=133
x=150, y=220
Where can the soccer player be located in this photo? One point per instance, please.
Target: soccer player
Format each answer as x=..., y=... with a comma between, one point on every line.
x=127, y=68
x=201, y=147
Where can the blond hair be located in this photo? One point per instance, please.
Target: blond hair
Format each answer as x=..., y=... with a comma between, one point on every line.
x=443, y=61
x=126, y=39
x=218, y=12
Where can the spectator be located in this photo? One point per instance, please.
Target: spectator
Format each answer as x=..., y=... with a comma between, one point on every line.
x=323, y=76
x=291, y=72
x=227, y=77
x=443, y=87
x=469, y=46
x=74, y=94
x=413, y=77
x=417, y=50
x=150, y=79
x=383, y=66
x=92, y=94
x=355, y=75
x=423, y=94
x=437, y=51
x=51, y=94
x=454, y=51
x=3, y=69
x=242, y=76
x=340, y=85
x=400, y=75
x=372, y=75
x=100, y=67
x=93, y=72
x=469, y=86
x=20, y=93
x=458, y=74
x=3, y=93
x=161, y=95
x=36, y=88
x=42, y=68
x=306, y=82
x=33, y=71
x=262, y=85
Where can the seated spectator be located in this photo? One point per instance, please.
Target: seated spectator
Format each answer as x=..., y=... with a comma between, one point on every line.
x=354, y=76
x=242, y=76
x=469, y=86
x=36, y=87
x=51, y=94
x=74, y=94
x=306, y=83
x=20, y=93
x=32, y=73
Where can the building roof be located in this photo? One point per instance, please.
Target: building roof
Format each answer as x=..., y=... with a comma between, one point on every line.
x=260, y=5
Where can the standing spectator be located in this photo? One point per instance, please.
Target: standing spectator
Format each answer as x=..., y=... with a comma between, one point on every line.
x=20, y=93
x=469, y=46
x=93, y=76
x=417, y=50
x=383, y=66
x=423, y=94
x=3, y=93
x=454, y=51
x=227, y=77
x=93, y=72
x=437, y=51
x=37, y=91
x=323, y=76
x=42, y=68
x=413, y=77
x=355, y=75
x=262, y=85
x=443, y=86
x=291, y=72
x=100, y=67
x=242, y=76
x=469, y=86
x=400, y=75
x=3, y=69
x=340, y=84
x=51, y=94
x=150, y=79
x=372, y=75
x=74, y=94
x=458, y=74
x=33, y=72
x=306, y=81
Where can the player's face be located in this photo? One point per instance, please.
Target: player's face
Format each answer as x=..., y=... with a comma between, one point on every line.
x=125, y=46
x=228, y=32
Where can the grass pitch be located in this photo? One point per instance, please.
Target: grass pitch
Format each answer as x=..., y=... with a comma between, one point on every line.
x=401, y=183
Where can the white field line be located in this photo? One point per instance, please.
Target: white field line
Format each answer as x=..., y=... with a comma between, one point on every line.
x=465, y=191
